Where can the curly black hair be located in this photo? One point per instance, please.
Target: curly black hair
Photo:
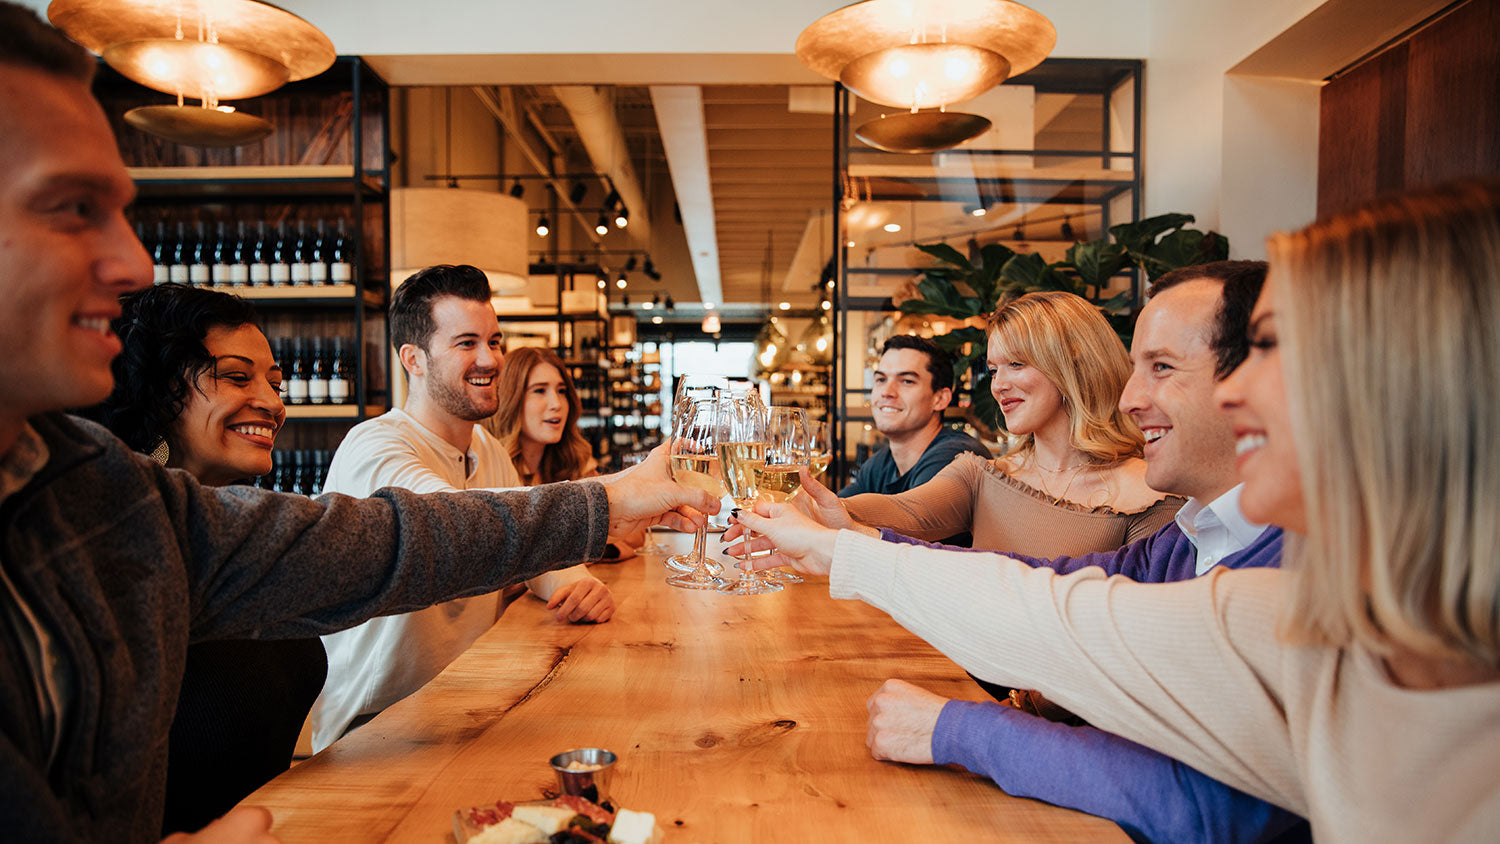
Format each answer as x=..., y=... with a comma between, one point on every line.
x=162, y=329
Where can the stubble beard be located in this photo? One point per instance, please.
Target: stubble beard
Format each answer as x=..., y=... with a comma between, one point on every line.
x=457, y=402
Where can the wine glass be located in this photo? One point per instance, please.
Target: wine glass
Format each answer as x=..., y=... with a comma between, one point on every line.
x=692, y=389
x=819, y=447
x=694, y=463
x=742, y=453
x=786, y=453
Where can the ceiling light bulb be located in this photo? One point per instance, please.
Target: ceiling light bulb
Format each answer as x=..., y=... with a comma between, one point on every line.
x=622, y=219
x=648, y=305
x=893, y=227
x=601, y=225
x=708, y=306
x=979, y=211
x=621, y=282
x=602, y=284
x=850, y=244
x=656, y=320
x=543, y=226
x=827, y=305
x=785, y=306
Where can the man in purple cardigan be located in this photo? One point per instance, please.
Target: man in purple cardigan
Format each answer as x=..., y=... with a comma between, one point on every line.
x=1192, y=333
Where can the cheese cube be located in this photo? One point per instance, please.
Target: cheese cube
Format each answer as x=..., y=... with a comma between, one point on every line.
x=509, y=831
x=632, y=827
x=549, y=819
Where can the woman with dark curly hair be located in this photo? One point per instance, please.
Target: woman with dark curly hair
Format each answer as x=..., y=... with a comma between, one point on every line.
x=196, y=387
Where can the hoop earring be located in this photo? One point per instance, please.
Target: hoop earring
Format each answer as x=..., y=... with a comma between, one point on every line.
x=161, y=452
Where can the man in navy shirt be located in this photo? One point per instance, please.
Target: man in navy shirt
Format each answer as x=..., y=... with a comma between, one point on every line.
x=913, y=384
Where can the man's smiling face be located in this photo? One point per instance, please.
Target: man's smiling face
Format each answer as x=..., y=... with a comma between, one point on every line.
x=1189, y=440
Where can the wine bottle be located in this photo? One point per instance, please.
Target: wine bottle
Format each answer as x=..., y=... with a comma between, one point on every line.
x=223, y=251
x=260, y=264
x=281, y=351
x=300, y=250
x=296, y=382
x=182, y=254
x=239, y=270
x=340, y=270
x=340, y=385
x=278, y=472
x=317, y=374
x=300, y=483
x=199, y=274
x=317, y=261
x=281, y=270
x=160, y=255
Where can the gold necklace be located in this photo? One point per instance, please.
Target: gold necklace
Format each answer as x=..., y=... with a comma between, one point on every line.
x=1076, y=468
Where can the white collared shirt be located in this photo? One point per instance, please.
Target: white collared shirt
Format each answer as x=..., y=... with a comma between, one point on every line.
x=1217, y=530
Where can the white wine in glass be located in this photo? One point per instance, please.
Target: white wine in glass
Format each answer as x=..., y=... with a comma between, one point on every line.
x=741, y=461
x=698, y=471
x=741, y=447
x=694, y=464
x=778, y=481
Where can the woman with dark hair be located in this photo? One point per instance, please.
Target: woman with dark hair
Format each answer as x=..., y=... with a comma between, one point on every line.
x=196, y=387
x=538, y=424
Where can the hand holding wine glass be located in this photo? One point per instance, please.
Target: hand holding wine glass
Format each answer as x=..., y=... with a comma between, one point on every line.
x=742, y=455
x=695, y=463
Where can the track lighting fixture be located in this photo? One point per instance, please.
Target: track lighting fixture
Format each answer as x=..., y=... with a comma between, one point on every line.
x=601, y=225
x=1019, y=233
x=622, y=217
x=613, y=199
x=576, y=193
x=1067, y=229
x=671, y=305
x=650, y=270
x=543, y=226
x=625, y=300
x=603, y=282
x=621, y=281
x=630, y=264
x=517, y=189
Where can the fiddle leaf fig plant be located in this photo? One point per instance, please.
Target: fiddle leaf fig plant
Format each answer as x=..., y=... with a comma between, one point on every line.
x=960, y=288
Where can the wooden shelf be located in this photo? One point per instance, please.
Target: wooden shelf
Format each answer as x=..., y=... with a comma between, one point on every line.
x=283, y=180
x=330, y=412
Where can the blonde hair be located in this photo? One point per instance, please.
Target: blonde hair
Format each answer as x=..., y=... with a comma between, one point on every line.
x=568, y=459
x=1389, y=316
x=1073, y=345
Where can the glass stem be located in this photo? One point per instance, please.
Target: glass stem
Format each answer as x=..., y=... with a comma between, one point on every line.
x=700, y=541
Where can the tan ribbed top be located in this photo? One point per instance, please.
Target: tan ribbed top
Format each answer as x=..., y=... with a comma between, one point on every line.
x=972, y=495
x=1193, y=669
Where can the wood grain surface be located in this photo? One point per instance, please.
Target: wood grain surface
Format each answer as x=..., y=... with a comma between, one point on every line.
x=736, y=719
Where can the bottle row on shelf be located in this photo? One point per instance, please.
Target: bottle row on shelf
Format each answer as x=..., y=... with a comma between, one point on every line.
x=302, y=471
x=315, y=370
x=262, y=256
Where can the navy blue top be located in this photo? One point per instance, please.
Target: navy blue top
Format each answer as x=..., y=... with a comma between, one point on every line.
x=880, y=475
x=1151, y=796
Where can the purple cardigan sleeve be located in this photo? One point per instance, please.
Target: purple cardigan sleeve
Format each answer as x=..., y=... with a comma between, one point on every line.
x=1151, y=796
x=1148, y=560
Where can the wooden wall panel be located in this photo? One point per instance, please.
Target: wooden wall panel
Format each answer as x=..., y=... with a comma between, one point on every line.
x=1423, y=112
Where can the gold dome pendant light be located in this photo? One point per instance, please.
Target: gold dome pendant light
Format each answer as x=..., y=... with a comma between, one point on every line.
x=925, y=54
x=207, y=50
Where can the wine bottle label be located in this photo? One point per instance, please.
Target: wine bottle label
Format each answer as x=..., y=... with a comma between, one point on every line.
x=260, y=274
x=299, y=274
x=341, y=272
x=338, y=391
x=296, y=390
x=160, y=274
x=317, y=273
x=281, y=275
x=221, y=275
x=199, y=275
x=317, y=390
x=178, y=273
x=239, y=275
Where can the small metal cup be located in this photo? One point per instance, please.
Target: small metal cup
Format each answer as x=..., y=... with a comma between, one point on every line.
x=592, y=785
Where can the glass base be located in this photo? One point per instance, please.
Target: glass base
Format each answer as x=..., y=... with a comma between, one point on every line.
x=780, y=576
x=686, y=563
x=693, y=580
x=750, y=586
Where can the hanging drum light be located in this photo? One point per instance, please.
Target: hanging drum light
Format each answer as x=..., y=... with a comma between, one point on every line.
x=923, y=56
x=208, y=50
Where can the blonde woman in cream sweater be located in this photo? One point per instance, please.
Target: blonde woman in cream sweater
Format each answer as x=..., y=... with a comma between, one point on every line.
x=1358, y=686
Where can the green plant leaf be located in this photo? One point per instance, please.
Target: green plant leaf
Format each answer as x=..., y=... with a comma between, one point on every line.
x=1184, y=248
x=1096, y=261
x=1138, y=236
x=1032, y=272
x=947, y=254
x=983, y=405
x=1116, y=303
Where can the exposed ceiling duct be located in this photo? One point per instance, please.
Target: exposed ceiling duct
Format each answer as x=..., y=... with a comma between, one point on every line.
x=593, y=114
x=679, y=116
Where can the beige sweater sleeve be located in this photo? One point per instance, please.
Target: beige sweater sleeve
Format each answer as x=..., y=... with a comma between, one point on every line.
x=938, y=509
x=1190, y=669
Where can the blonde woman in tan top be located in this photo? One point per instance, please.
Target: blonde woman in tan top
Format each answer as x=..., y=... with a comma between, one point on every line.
x=1074, y=481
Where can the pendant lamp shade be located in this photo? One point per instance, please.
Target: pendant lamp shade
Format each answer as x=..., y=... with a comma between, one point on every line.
x=459, y=226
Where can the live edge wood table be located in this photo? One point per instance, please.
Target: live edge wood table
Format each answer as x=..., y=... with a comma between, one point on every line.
x=736, y=719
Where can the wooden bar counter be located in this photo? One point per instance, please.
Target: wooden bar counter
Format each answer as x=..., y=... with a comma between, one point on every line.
x=736, y=719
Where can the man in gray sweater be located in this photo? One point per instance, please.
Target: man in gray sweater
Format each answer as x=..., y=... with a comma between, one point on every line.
x=110, y=564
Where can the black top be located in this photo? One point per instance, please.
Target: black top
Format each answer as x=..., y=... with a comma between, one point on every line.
x=880, y=475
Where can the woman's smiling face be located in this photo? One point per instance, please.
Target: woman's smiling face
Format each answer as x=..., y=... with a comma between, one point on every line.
x=1254, y=397
x=544, y=416
x=227, y=429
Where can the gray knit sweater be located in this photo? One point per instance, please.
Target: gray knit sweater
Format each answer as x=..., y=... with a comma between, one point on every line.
x=124, y=563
